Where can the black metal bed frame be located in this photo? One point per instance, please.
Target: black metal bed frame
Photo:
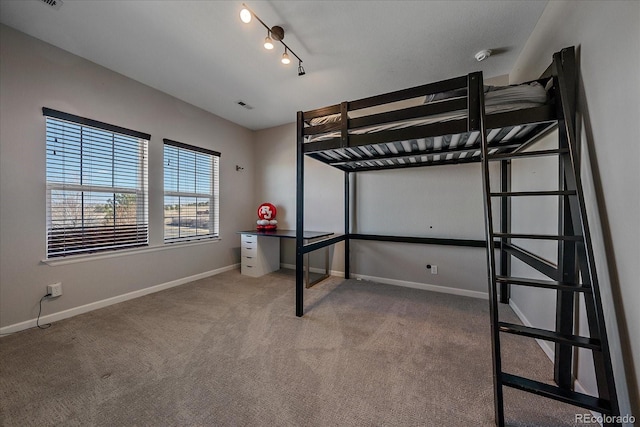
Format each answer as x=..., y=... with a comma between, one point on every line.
x=482, y=138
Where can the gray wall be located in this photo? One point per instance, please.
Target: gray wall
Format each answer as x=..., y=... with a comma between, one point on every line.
x=275, y=182
x=606, y=35
x=34, y=75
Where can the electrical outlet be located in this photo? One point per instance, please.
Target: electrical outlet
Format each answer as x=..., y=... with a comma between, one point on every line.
x=54, y=290
x=434, y=269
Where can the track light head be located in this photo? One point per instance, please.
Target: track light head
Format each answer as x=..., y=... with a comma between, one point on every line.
x=245, y=15
x=301, y=71
x=268, y=43
x=285, y=57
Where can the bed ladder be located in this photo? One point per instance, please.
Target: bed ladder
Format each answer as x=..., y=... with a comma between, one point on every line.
x=574, y=273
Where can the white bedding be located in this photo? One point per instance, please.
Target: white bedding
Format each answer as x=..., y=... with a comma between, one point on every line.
x=497, y=99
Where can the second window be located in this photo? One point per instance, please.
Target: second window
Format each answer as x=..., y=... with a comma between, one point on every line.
x=191, y=192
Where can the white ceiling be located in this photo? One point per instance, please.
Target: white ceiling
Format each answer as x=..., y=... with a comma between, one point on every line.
x=200, y=51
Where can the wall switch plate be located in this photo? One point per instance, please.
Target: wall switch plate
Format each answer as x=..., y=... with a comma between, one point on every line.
x=434, y=269
x=54, y=290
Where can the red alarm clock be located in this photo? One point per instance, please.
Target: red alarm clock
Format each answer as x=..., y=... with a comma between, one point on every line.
x=267, y=214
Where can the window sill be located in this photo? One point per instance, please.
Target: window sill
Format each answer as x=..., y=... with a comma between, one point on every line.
x=93, y=257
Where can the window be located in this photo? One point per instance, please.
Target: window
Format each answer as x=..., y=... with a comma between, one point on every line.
x=96, y=186
x=191, y=189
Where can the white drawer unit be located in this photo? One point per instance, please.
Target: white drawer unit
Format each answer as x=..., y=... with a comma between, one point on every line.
x=260, y=255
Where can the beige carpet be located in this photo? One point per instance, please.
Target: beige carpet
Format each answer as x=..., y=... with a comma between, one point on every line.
x=229, y=351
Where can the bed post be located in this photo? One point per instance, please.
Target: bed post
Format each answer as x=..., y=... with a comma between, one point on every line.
x=300, y=216
x=344, y=142
x=477, y=123
x=566, y=71
x=567, y=262
x=347, y=223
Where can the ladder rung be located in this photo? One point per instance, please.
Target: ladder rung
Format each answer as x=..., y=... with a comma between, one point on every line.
x=537, y=236
x=549, y=284
x=543, y=334
x=556, y=393
x=520, y=154
x=534, y=193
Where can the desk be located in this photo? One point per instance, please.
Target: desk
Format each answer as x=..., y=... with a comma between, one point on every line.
x=260, y=252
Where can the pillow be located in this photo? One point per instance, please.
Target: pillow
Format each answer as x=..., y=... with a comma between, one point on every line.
x=532, y=92
x=434, y=97
x=495, y=95
x=332, y=118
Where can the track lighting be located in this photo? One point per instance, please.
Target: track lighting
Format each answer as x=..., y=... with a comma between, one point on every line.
x=274, y=33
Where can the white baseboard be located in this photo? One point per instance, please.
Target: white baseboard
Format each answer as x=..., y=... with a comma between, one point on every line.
x=406, y=284
x=110, y=301
x=424, y=286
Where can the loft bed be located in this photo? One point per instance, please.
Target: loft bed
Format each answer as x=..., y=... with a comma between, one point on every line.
x=431, y=127
x=460, y=120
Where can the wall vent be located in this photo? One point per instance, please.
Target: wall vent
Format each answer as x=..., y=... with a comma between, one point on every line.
x=244, y=105
x=56, y=4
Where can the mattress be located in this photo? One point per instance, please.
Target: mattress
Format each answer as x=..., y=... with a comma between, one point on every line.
x=497, y=99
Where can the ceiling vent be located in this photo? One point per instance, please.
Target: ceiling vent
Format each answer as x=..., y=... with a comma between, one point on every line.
x=244, y=105
x=56, y=4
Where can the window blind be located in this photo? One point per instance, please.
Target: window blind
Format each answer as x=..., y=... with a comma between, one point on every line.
x=191, y=192
x=96, y=186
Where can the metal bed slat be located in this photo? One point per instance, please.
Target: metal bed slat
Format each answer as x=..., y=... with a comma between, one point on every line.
x=437, y=143
x=512, y=132
x=455, y=139
x=502, y=133
x=414, y=163
x=446, y=141
x=492, y=134
x=429, y=143
x=405, y=155
x=399, y=146
x=433, y=144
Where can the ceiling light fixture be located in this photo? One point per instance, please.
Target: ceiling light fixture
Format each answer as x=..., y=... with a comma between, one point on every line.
x=274, y=33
